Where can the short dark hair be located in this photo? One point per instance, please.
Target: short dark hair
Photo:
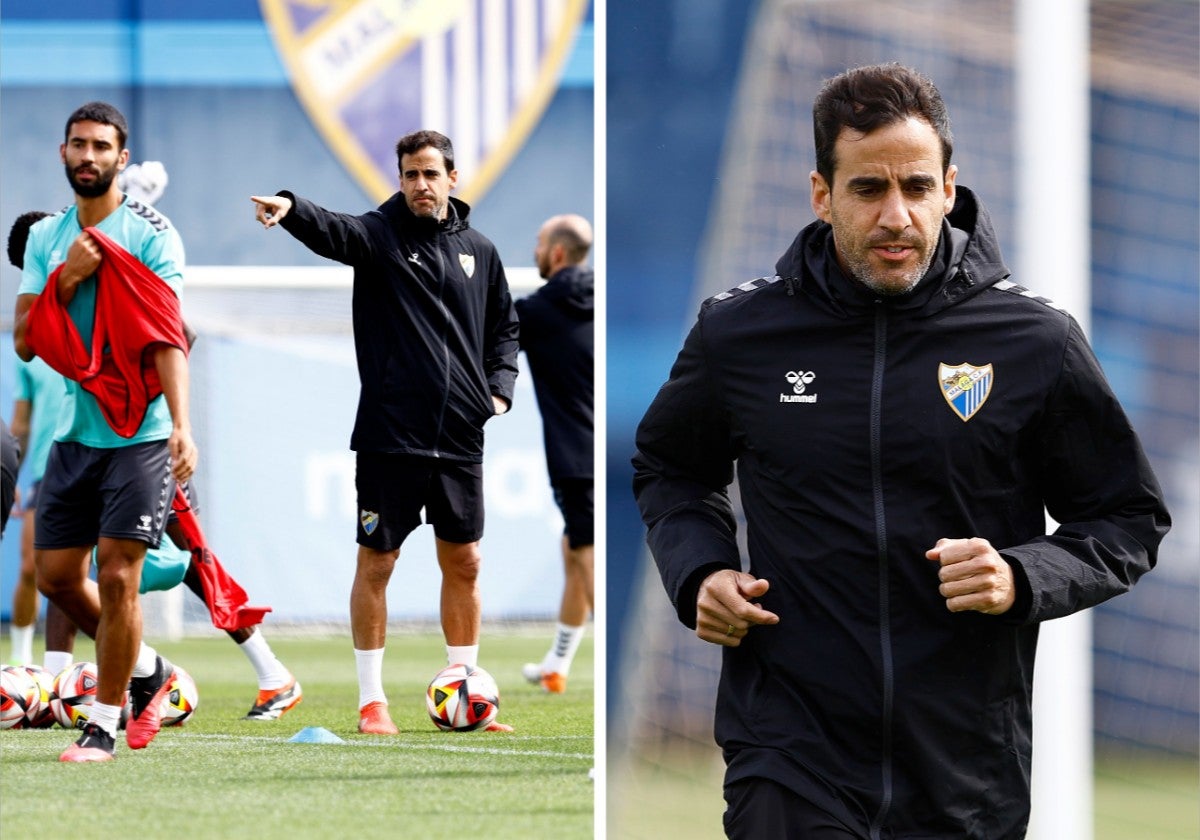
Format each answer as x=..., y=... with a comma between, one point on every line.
x=410, y=144
x=100, y=112
x=18, y=235
x=867, y=98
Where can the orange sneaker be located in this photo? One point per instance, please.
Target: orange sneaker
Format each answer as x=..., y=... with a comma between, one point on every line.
x=373, y=719
x=497, y=726
x=272, y=703
x=554, y=682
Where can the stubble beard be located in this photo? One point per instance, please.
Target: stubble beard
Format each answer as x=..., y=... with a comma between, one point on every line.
x=891, y=285
x=436, y=211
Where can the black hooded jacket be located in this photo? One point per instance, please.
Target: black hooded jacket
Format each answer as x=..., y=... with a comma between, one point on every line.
x=863, y=430
x=435, y=331
x=558, y=340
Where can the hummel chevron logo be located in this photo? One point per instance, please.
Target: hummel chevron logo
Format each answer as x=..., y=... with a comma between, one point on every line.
x=799, y=380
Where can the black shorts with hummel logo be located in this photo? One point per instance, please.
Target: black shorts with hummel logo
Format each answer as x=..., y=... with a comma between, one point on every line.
x=88, y=492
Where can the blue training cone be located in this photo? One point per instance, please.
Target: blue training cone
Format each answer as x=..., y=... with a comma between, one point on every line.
x=315, y=735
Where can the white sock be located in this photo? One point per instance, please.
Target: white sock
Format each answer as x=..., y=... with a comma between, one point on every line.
x=268, y=669
x=57, y=661
x=106, y=717
x=370, y=676
x=22, y=644
x=147, y=660
x=462, y=655
x=566, y=642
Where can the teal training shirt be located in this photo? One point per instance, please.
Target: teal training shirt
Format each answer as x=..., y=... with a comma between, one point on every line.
x=164, y=567
x=147, y=235
x=45, y=389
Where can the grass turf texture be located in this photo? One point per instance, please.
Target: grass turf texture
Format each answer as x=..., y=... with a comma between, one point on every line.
x=219, y=776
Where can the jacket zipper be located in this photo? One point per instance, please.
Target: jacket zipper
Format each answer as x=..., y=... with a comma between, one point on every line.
x=441, y=281
x=885, y=629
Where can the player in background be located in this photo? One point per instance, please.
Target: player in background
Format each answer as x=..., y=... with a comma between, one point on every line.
x=10, y=455
x=557, y=337
x=278, y=690
x=39, y=398
x=36, y=382
x=100, y=488
x=435, y=336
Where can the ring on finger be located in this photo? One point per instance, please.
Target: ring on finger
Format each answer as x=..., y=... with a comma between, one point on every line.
x=729, y=632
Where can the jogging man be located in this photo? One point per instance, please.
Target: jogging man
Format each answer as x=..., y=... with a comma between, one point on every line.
x=436, y=339
x=102, y=487
x=901, y=415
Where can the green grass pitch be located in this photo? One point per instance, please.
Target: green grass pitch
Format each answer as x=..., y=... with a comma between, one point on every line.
x=679, y=795
x=219, y=776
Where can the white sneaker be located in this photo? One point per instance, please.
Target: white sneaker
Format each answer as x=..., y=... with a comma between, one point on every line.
x=532, y=672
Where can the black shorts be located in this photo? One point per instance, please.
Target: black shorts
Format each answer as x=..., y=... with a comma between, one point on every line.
x=393, y=488
x=87, y=493
x=758, y=807
x=575, y=497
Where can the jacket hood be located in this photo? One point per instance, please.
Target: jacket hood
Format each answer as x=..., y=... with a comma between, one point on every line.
x=967, y=260
x=571, y=290
x=395, y=209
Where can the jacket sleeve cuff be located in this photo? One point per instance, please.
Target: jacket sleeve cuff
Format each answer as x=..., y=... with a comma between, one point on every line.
x=287, y=221
x=1022, y=606
x=689, y=591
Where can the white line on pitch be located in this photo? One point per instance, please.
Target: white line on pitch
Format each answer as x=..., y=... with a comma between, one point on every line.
x=402, y=746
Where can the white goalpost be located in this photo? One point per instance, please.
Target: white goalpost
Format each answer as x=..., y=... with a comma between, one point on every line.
x=1053, y=226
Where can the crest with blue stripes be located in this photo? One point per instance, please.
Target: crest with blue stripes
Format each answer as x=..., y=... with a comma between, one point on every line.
x=965, y=387
x=479, y=71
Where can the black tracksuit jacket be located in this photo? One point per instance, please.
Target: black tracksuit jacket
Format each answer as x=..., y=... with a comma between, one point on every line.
x=869, y=697
x=435, y=331
x=558, y=339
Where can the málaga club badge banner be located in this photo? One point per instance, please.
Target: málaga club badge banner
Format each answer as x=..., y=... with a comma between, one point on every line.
x=479, y=71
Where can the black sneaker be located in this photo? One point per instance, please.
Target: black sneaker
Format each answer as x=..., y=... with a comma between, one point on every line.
x=145, y=697
x=93, y=745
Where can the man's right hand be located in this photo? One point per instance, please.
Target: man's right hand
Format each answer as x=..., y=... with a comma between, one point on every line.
x=83, y=258
x=724, y=611
x=270, y=209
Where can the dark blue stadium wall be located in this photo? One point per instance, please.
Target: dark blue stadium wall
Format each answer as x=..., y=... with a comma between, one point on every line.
x=671, y=79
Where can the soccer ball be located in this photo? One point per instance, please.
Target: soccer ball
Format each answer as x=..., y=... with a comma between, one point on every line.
x=74, y=692
x=181, y=699
x=18, y=695
x=41, y=717
x=462, y=698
